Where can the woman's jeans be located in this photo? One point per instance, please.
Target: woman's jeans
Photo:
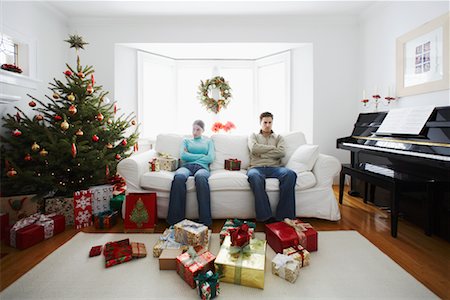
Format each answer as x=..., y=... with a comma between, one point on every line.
x=177, y=204
x=286, y=204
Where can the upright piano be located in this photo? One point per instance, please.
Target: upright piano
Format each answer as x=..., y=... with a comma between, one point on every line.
x=426, y=154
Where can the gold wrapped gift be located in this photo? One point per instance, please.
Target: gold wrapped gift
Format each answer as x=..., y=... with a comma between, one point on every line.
x=246, y=268
x=298, y=253
x=191, y=233
x=167, y=162
x=286, y=267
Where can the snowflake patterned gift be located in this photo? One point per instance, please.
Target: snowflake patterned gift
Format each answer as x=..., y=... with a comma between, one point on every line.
x=61, y=206
x=82, y=205
x=101, y=197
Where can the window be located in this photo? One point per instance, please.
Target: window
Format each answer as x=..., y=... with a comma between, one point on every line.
x=168, y=93
x=8, y=51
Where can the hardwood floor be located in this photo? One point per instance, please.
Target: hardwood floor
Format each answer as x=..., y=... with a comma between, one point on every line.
x=426, y=258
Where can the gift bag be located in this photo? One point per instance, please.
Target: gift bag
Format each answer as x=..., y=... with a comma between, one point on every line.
x=140, y=212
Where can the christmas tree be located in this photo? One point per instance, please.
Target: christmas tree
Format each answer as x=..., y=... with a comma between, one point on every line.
x=139, y=214
x=75, y=139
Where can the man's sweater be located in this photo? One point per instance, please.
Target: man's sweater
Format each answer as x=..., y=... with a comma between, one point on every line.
x=266, y=151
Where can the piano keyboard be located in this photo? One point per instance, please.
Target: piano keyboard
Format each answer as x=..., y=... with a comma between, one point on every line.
x=410, y=153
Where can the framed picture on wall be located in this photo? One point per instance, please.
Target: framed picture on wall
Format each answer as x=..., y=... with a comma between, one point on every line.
x=423, y=58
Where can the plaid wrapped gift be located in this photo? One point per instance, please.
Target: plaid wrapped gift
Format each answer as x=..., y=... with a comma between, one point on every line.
x=167, y=162
x=191, y=233
x=153, y=165
x=286, y=267
x=306, y=233
x=190, y=264
x=208, y=285
x=105, y=220
x=95, y=251
x=232, y=164
x=61, y=206
x=101, y=197
x=117, y=252
x=298, y=253
x=246, y=267
x=138, y=250
x=234, y=223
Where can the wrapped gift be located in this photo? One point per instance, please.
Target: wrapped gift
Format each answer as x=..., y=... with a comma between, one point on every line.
x=234, y=223
x=119, y=185
x=101, y=197
x=232, y=164
x=27, y=236
x=167, y=241
x=116, y=202
x=280, y=236
x=117, y=252
x=240, y=236
x=106, y=219
x=191, y=233
x=298, y=253
x=140, y=212
x=138, y=250
x=168, y=259
x=167, y=162
x=208, y=285
x=153, y=165
x=82, y=207
x=307, y=234
x=246, y=267
x=18, y=207
x=4, y=225
x=61, y=206
x=286, y=267
x=95, y=251
x=190, y=264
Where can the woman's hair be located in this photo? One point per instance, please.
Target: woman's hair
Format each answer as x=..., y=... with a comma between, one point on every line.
x=199, y=123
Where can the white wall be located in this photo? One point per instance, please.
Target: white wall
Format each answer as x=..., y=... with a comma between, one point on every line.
x=380, y=26
x=37, y=22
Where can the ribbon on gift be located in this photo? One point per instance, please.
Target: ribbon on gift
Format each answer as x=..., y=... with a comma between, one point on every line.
x=208, y=285
x=237, y=223
x=296, y=250
x=240, y=236
x=38, y=219
x=165, y=155
x=191, y=260
x=119, y=185
x=154, y=165
x=281, y=261
x=255, y=247
x=299, y=228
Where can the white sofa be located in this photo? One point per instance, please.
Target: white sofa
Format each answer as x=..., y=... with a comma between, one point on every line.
x=231, y=196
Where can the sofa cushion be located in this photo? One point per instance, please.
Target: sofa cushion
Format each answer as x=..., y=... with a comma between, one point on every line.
x=169, y=143
x=303, y=159
x=292, y=140
x=305, y=180
x=162, y=181
x=228, y=180
x=230, y=146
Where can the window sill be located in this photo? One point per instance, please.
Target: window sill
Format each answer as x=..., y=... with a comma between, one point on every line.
x=18, y=79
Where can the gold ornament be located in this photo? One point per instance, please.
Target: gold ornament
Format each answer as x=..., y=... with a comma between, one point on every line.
x=133, y=122
x=109, y=121
x=35, y=147
x=43, y=152
x=90, y=89
x=55, y=95
x=71, y=97
x=79, y=132
x=109, y=146
x=80, y=74
x=39, y=117
x=64, y=125
x=76, y=42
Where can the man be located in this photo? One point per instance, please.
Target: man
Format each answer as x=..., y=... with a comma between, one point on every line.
x=266, y=151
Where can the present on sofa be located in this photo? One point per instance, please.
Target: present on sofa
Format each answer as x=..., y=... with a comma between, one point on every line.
x=190, y=264
x=298, y=253
x=232, y=164
x=117, y=252
x=208, y=285
x=101, y=197
x=106, y=219
x=18, y=207
x=246, y=267
x=34, y=229
x=191, y=233
x=168, y=259
x=308, y=237
x=138, y=250
x=82, y=209
x=234, y=223
x=167, y=162
x=61, y=206
x=4, y=224
x=140, y=212
x=286, y=267
x=153, y=165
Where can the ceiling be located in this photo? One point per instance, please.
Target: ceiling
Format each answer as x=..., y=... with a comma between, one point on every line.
x=79, y=9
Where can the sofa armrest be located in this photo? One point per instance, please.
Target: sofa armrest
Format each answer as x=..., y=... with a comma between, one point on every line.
x=325, y=168
x=133, y=167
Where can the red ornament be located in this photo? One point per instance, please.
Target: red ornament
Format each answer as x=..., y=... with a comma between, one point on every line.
x=124, y=142
x=92, y=79
x=107, y=171
x=89, y=89
x=32, y=103
x=72, y=110
x=118, y=157
x=18, y=118
x=99, y=117
x=57, y=118
x=17, y=133
x=68, y=73
x=115, y=108
x=27, y=157
x=136, y=147
x=74, y=150
x=95, y=138
x=11, y=173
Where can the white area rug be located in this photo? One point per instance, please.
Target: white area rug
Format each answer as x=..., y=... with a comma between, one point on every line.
x=346, y=266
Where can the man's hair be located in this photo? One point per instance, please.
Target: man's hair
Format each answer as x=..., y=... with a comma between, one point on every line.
x=265, y=115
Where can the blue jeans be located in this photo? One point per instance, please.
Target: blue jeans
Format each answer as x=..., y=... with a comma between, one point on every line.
x=286, y=204
x=177, y=204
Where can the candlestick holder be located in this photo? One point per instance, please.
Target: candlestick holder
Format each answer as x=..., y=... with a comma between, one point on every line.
x=376, y=101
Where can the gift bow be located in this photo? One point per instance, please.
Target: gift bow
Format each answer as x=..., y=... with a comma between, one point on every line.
x=208, y=284
x=240, y=236
x=38, y=219
x=237, y=223
x=165, y=155
x=299, y=228
x=281, y=260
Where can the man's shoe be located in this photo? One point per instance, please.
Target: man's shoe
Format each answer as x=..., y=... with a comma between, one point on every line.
x=270, y=220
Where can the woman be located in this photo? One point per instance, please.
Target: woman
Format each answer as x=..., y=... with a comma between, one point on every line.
x=196, y=154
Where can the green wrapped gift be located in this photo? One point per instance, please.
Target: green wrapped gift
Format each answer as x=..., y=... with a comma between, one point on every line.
x=116, y=202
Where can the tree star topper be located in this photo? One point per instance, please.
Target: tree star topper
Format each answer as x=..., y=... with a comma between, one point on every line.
x=76, y=42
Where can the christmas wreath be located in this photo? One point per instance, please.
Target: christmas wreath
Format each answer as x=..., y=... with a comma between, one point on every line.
x=210, y=103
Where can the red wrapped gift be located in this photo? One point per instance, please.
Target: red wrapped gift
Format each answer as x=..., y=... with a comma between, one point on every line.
x=240, y=236
x=307, y=234
x=4, y=225
x=95, y=251
x=117, y=252
x=190, y=264
x=232, y=164
x=27, y=236
x=280, y=235
x=140, y=212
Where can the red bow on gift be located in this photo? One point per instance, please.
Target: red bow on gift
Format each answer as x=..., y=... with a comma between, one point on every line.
x=120, y=185
x=240, y=236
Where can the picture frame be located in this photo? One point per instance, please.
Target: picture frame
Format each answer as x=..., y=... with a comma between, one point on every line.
x=423, y=58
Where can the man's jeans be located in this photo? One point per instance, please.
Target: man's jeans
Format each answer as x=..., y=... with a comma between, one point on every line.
x=177, y=204
x=286, y=204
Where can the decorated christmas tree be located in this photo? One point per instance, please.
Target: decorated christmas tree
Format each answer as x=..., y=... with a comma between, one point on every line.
x=73, y=141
